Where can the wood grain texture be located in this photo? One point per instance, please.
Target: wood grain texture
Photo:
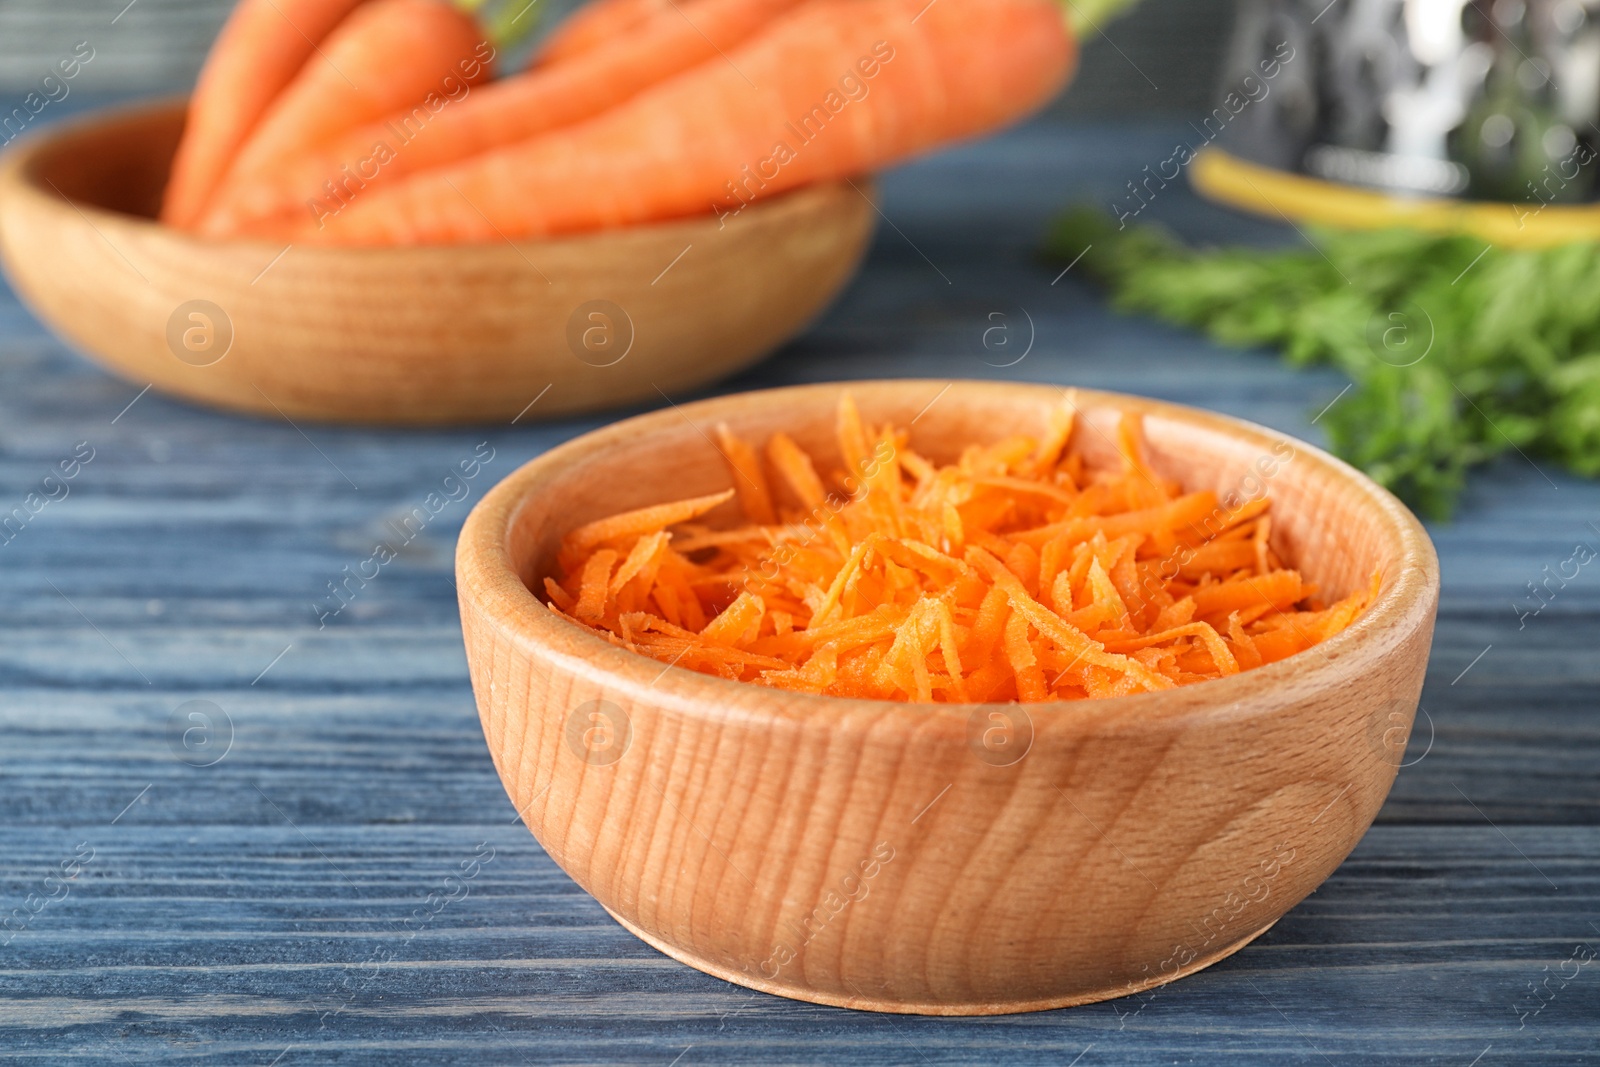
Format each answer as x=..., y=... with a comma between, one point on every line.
x=406, y=336
x=197, y=543
x=894, y=857
x=185, y=944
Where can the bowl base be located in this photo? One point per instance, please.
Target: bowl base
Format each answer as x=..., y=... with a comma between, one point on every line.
x=866, y=1003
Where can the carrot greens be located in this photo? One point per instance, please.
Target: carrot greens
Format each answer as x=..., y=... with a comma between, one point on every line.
x=1458, y=352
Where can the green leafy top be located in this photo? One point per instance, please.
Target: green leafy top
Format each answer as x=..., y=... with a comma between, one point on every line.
x=506, y=23
x=1087, y=16
x=1458, y=352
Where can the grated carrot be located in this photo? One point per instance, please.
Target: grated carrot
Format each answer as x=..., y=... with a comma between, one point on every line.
x=642, y=521
x=1018, y=573
x=646, y=552
x=592, y=599
x=749, y=480
x=796, y=468
x=559, y=597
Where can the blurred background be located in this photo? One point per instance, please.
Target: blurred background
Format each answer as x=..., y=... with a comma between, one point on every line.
x=156, y=46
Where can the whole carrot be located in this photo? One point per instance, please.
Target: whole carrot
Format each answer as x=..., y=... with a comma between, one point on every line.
x=836, y=88
x=260, y=50
x=386, y=55
x=502, y=113
x=595, y=24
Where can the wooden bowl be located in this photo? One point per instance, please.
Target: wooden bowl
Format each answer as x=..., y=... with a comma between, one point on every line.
x=419, y=335
x=943, y=859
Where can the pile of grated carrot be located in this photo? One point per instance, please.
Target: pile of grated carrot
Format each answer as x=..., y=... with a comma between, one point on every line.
x=1014, y=574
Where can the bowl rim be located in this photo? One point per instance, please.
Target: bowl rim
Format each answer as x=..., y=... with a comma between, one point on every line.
x=18, y=177
x=489, y=586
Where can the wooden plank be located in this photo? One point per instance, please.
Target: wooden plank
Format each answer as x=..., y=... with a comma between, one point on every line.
x=189, y=941
x=390, y=705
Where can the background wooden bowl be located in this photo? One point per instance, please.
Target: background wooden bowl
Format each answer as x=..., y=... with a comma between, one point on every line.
x=902, y=857
x=421, y=335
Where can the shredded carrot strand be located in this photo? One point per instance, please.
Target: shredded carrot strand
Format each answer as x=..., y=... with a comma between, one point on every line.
x=749, y=482
x=642, y=521
x=796, y=468
x=596, y=577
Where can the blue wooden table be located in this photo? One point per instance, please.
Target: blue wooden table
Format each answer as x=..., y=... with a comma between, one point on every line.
x=236, y=888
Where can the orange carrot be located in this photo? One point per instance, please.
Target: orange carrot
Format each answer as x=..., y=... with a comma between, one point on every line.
x=261, y=48
x=750, y=482
x=796, y=468
x=642, y=521
x=859, y=597
x=419, y=137
x=596, y=578
x=738, y=622
x=833, y=89
x=594, y=25
x=1280, y=589
x=388, y=54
